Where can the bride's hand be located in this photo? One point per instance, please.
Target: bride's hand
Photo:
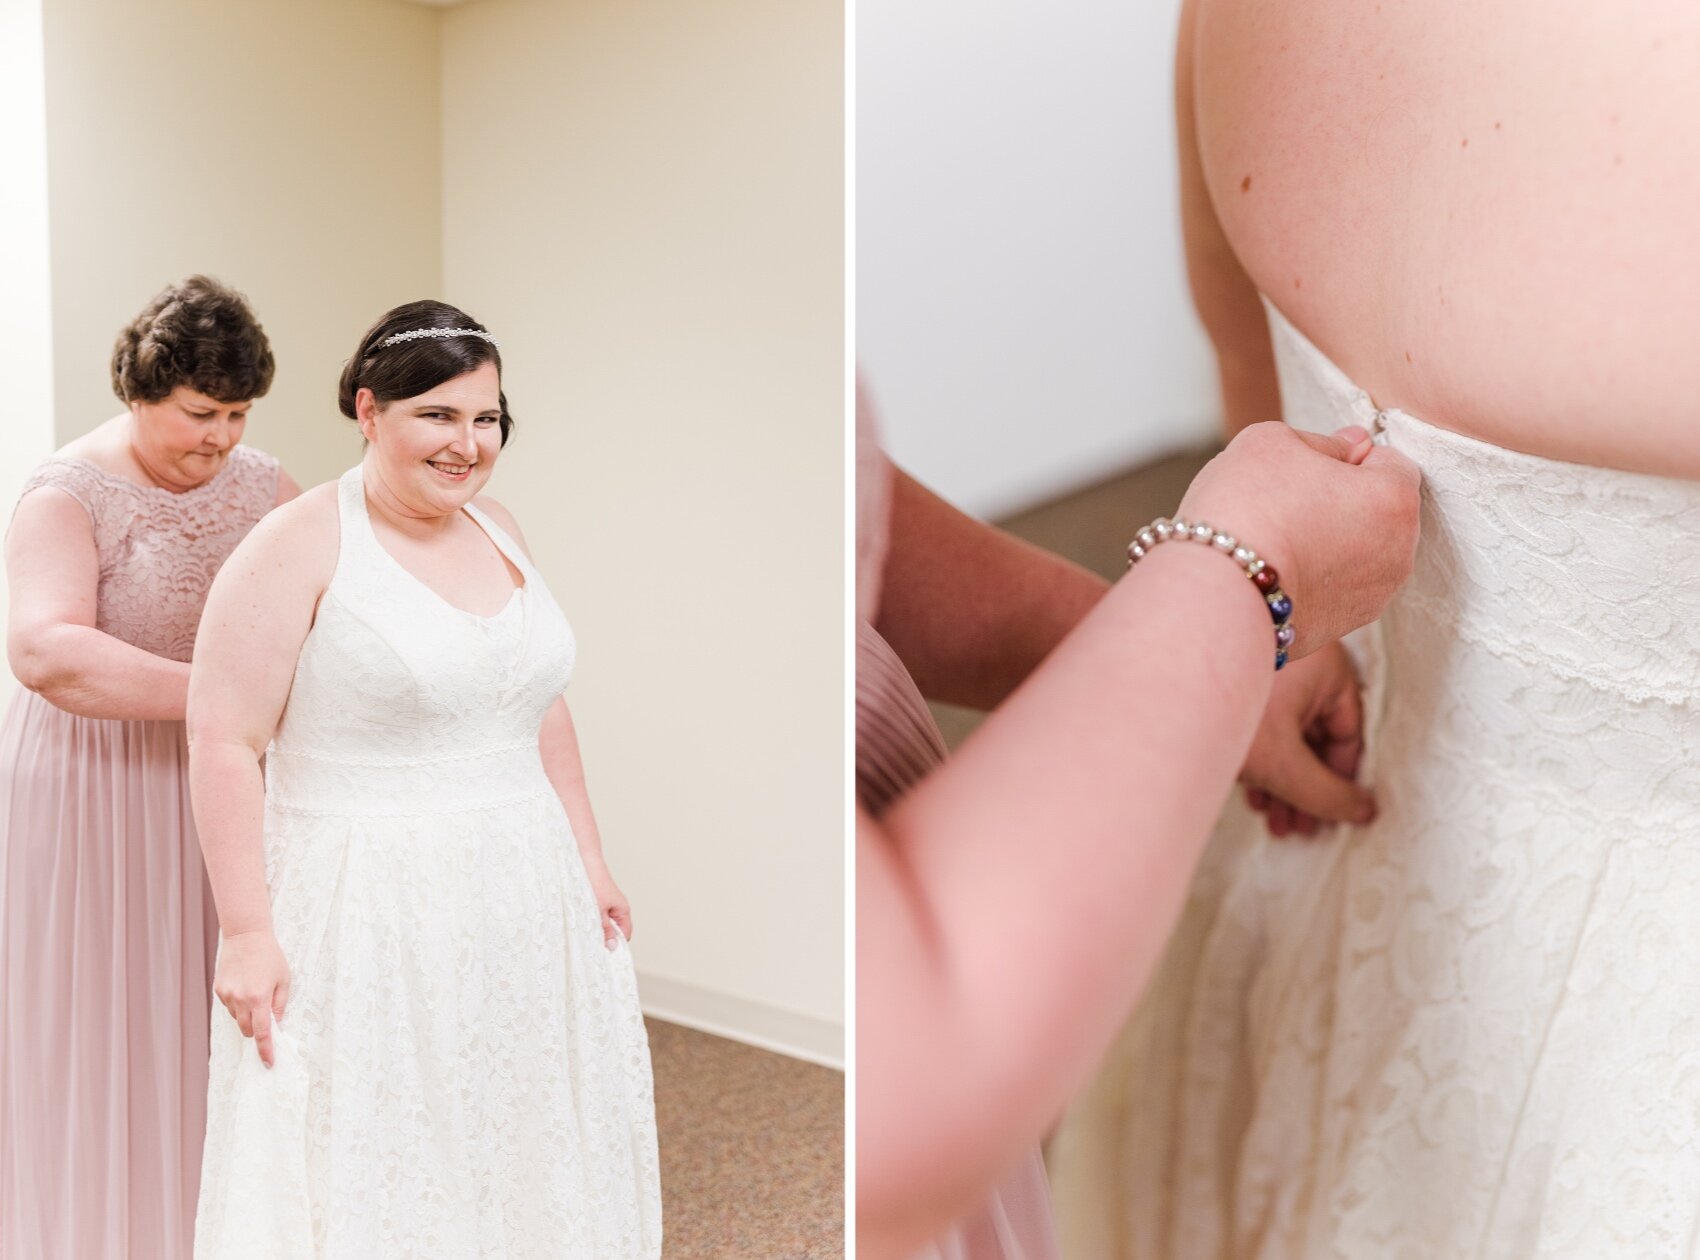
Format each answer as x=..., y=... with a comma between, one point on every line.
x=252, y=980
x=616, y=910
x=1336, y=516
x=1304, y=758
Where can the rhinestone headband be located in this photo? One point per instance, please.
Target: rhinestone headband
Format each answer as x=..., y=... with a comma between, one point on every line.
x=414, y=334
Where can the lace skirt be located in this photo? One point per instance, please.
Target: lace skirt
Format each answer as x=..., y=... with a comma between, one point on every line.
x=462, y=1066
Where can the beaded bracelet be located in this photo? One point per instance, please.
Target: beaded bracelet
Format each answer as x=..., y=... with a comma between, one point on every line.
x=1262, y=575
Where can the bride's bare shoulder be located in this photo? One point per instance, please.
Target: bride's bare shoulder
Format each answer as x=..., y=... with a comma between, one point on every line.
x=296, y=542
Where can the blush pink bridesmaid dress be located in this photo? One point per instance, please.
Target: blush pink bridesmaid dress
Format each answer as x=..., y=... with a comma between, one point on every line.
x=107, y=927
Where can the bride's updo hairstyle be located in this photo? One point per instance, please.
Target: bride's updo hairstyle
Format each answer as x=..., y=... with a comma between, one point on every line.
x=428, y=343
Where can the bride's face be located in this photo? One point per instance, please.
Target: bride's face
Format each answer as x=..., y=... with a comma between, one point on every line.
x=436, y=450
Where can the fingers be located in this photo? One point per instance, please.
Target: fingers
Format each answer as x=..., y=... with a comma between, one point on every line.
x=262, y=1023
x=1351, y=445
x=1390, y=461
x=1342, y=758
x=610, y=933
x=1311, y=786
x=280, y=999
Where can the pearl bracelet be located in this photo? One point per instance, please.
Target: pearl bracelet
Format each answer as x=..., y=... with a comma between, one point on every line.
x=1262, y=574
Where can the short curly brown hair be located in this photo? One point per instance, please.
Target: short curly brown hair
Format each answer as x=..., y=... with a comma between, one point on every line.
x=199, y=333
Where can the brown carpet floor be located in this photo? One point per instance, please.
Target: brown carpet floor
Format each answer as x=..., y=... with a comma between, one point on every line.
x=1092, y=528
x=752, y=1150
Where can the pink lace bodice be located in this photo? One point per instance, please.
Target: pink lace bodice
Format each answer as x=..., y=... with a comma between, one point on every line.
x=160, y=550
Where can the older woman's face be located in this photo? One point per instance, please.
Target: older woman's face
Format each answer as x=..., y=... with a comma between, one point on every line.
x=183, y=439
x=436, y=450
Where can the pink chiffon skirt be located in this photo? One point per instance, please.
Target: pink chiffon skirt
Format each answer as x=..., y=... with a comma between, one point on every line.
x=1013, y=1224
x=107, y=940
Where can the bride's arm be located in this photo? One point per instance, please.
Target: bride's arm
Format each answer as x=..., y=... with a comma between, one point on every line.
x=1226, y=298
x=970, y=609
x=557, y=742
x=257, y=616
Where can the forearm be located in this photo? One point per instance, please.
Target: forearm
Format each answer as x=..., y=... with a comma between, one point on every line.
x=227, y=790
x=1012, y=906
x=90, y=673
x=558, y=745
x=575, y=799
x=970, y=609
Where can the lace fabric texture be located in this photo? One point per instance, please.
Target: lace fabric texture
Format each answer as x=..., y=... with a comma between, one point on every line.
x=463, y=1069
x=1473, y=1027
x=107, y=928
x=160, y=550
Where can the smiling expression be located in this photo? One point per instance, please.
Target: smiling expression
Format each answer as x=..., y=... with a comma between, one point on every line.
x=435, y=451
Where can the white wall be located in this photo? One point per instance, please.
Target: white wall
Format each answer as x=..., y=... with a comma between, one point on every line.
x=1022, y=318
x=26, y=344
x=291, y=150
x=644, y=199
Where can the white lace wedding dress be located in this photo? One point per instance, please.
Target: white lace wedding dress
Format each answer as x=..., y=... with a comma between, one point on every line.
x=1471, y=1029
x=462, y=1070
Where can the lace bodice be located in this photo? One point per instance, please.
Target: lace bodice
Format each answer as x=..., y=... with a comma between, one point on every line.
x=417, y=705
x=160, y=550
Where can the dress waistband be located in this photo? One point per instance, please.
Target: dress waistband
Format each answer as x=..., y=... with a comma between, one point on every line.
x=320, y=782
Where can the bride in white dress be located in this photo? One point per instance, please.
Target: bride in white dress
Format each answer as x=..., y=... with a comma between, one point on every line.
x=417, y=926
x=1471, y=1027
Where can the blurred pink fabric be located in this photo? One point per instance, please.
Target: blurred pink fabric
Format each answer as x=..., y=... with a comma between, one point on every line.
x=107, y=927
x=897, y=742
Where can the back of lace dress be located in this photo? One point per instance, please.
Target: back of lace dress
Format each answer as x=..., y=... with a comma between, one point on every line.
x=1472, y=1027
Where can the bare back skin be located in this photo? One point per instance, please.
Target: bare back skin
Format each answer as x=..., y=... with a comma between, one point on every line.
x=1484, y=214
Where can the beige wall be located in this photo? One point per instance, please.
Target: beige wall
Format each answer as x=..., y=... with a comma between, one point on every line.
x=644, y=199
x=26, y=345
x=291, y=150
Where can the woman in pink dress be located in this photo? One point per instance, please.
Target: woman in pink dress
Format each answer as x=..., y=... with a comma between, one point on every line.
x=107, y=930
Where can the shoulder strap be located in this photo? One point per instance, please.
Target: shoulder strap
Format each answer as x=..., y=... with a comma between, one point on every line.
x=354, y=526
x=504, y=543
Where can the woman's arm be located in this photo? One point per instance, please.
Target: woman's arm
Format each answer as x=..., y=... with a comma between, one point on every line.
x=970, y=609
x=557, y=743
x=53, y=571
x=1010, y=907
x=1226, y=299
x=257, y=616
